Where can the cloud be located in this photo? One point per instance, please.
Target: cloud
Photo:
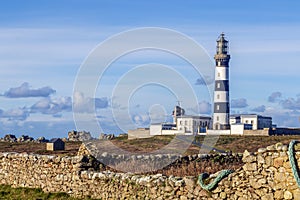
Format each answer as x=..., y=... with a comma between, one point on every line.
x=204, y=107
x=52, y=106
x=283, y=118
x=141, y=120
x=207, y=80
x=291, y=103
x=261, y=108
x=274, y=97
x=82, y=104
x=24, y=91
x=239, y=103
x=15, y=114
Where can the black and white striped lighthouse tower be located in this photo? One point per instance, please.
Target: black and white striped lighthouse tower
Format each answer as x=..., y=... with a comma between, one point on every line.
x=221, y=93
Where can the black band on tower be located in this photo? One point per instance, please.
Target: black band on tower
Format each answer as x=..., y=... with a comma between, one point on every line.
x=222, y=85
x=221, y=107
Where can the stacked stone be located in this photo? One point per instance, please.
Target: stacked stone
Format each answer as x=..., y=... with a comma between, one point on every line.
x=266, y=174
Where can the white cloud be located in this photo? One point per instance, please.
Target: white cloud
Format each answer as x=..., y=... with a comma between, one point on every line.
x=52, y=106
x=274, y=97
x=15, y=114
x=239, y=103
x=24, y=91
x=82, y=104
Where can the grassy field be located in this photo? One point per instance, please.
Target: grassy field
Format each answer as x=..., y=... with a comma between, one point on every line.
x=39, y=148
x=236, y=144
x=7, y=192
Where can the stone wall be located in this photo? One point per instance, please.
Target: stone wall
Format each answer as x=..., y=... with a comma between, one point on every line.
x=266, y=174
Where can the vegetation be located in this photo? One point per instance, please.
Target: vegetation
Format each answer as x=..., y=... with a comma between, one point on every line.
x=38, y=148
x=7, y=192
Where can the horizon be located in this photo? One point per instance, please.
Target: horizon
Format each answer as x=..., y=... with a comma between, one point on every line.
x=43, y=46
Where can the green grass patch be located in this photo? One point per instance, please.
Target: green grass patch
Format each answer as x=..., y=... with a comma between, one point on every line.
x=7, y=193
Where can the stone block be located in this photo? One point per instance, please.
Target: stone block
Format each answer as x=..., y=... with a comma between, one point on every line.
x=287, y=195
x=250, y=167
x=278, y=162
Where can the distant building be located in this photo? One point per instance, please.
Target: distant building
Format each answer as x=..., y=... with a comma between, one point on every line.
x=258, y=122
x=55, y=144
x=193, y=124
x=185, y=124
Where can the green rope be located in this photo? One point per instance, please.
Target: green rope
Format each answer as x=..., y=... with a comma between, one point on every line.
x=293, y=162
x=215, y=182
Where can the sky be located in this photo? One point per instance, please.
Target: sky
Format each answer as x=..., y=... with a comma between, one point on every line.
x=45, y=44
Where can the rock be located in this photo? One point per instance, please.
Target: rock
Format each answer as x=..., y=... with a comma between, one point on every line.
x=287, y=195
x=79, y=136
x=25, y=138
x=278, y=146
x=245, y=154
x=268, y=197
x=271, y=148
x=262, y=150
x=278, y=162
x=296, y=194
x=278, y=194
x=183, y=197
x=223, y=195
x=250, y=167
x=83, y=150
x=41, y=140
x=10, y=138
x=106, y=136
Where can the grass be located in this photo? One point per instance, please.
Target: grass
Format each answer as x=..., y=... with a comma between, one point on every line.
x=236, y=144
x=7, y=192
x=39, y=148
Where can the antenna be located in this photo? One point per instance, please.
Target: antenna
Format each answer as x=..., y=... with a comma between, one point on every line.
x=179, y=103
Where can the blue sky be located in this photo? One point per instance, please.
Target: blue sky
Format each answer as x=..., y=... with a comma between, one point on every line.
x=44, y=43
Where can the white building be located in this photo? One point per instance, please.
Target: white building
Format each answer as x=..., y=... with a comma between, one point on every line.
x=258, y=122
x=192, y=125
x=186, y=124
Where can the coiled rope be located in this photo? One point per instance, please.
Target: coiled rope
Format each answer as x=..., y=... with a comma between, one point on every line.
x=212, y=185
x=293, y=161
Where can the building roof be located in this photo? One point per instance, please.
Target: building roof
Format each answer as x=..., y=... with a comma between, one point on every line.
x=55, y=140
x=194, y=117
x=248, y=115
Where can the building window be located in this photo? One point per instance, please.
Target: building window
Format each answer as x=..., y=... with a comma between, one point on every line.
x=218, y=85
x=219, y=74
x=217, y=118
x=180, y=122
x=218, y=107
x=218, y=96
x=185, y=122
x=246, y=121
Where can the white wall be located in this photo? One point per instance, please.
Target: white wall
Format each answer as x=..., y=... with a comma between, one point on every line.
x=237, y=129
x=155, y=129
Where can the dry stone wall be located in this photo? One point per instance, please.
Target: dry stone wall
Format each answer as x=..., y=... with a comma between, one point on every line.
x=266, y=174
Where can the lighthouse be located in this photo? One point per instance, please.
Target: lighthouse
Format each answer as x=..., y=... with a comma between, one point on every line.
x=221, y=92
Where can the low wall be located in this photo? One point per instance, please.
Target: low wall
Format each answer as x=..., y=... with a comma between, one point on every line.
x=139, y=133
x=266, y=174
x=262, y=132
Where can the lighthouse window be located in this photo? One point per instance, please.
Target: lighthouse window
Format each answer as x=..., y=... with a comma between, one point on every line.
x=217, y=118
x=218, y=85
x=218, y=96
x=218, y=107
x=218, y=74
